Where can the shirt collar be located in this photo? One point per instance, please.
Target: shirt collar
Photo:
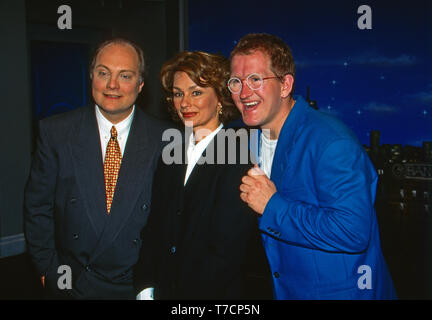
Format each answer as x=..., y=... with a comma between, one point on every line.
x=105, y=125
x=206, y=140
x=267, y=141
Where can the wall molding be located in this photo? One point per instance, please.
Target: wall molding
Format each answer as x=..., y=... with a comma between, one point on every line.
x=12, y=245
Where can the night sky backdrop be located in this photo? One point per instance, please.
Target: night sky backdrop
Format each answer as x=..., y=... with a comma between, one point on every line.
x=379, y=79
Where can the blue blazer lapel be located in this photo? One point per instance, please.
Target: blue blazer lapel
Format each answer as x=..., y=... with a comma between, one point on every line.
x=287, y=137
x=88, y=165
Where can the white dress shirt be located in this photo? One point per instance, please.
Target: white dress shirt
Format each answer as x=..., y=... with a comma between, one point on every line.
x=123, y=128
x=195, y=151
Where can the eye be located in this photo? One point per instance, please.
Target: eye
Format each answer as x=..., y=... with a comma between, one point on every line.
x=126, y=76
x=196, y=93
x=177, y=94
x=101, y=73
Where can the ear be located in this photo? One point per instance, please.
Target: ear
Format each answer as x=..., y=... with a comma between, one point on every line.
x=287, y=85
x=140, y=86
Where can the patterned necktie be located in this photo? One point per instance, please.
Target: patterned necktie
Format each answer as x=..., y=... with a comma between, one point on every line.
x=112, y=164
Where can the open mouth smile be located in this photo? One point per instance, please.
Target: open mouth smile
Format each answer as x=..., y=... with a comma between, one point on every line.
x=250, y=106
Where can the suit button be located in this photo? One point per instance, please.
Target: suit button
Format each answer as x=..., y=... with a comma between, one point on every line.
x=276, y=275
x=179, y=212
x=72, y=200
x=88, y=268
x=75, y=236
x=135, y=241
x=173, y=249
x=144, y=207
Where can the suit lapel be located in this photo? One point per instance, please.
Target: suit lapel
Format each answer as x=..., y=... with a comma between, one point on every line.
x=286, y=140
x=87, y=161
x=201, y=170
x=176, y=174
x=134, y=170
x=194, y=191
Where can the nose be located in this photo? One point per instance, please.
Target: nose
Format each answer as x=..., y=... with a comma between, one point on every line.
x=245, y=90
x=112, y=83
x=185, y=102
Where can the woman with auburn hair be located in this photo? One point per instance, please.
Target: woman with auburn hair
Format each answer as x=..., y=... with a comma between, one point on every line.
x=201, y=241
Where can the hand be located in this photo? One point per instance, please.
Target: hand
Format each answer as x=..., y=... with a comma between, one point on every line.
x=256, y=189
x=42, y=278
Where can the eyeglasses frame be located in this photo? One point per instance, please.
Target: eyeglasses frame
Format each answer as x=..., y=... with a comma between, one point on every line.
x=245, y=79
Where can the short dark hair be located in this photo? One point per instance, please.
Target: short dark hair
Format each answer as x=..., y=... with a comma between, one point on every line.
x=281, y=58
x=122, y=41
x=206, y=70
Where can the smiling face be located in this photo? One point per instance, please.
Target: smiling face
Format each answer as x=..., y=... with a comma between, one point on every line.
x=268, y=106
x=195, y=104
x=116, y=81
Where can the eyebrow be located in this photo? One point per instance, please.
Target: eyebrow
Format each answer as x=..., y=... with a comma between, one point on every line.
x=237, y=76
x=190, y=88
x=104, y=66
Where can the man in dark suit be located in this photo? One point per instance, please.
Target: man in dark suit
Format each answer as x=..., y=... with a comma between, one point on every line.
x=89, y=191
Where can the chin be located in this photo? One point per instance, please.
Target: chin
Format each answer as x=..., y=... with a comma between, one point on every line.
x=188, y=123
x=117, y=107
x=251, y=122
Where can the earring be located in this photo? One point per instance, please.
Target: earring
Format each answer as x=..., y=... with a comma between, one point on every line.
x=220, y=110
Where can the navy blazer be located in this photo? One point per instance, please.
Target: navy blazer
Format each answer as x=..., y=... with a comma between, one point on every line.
x=320, y=229
x=202, y=241
x=65, y=215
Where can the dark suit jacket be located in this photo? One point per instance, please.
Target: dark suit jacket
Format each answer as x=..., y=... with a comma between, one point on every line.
x=202, y=241
x=65, y=216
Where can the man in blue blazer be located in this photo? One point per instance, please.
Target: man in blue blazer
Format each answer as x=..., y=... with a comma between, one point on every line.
x=71, y=221
x=315, y=188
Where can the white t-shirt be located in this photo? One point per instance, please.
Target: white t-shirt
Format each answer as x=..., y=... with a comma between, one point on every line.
x=267, y=151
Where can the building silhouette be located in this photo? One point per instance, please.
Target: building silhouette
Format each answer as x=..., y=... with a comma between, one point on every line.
x=404, y=210
x=312, y=103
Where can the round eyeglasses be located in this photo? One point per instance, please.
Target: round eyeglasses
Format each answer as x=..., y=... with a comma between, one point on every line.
x=254, y=81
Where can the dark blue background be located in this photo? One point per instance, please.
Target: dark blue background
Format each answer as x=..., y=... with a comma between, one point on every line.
x=377, y=79
x=59, y=77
